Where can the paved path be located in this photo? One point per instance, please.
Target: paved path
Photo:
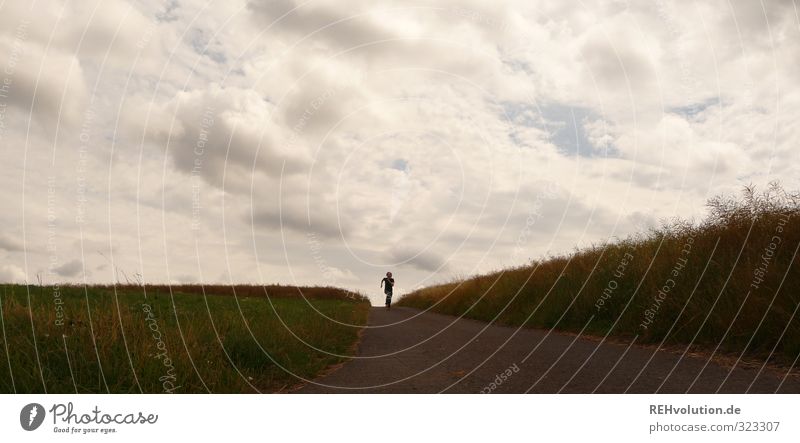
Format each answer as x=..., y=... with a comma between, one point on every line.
x=408, y=351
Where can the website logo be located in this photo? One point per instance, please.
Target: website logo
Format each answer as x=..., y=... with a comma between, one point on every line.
x=31, y=416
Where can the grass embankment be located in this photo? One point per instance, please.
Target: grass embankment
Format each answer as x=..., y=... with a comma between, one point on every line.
x=100, y=339
x=731, y=281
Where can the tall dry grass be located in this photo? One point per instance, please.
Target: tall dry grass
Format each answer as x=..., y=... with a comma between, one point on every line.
x=153, y=339
x=729, y=283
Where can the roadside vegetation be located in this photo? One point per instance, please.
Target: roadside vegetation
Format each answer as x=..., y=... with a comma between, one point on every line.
x=730, y=283
x=181, y=339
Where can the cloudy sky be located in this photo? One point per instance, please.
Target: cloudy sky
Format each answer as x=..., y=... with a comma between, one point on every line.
x=326, y=142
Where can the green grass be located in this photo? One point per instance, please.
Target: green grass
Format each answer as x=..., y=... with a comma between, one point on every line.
x=119, y=341
x=714, y=301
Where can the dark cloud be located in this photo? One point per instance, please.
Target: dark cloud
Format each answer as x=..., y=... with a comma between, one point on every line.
x=417, y=258
x=225, y=133
x=329, y=22
x=297, y=220
x=10, y=244
x=69, y=269
x=48, y=85
x=617, y=66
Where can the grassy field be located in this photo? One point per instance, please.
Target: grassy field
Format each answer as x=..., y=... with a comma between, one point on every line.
x=131, y=339
x=730, y=283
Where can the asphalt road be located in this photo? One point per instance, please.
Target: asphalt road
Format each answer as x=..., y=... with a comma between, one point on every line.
x=409, y=351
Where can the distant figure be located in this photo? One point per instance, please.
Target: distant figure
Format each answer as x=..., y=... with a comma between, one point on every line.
x=387, y=289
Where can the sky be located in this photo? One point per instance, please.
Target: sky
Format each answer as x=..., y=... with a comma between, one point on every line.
x=327, y=142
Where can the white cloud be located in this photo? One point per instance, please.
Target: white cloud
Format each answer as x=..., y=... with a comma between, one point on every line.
x=11, y=274
x=386, y=130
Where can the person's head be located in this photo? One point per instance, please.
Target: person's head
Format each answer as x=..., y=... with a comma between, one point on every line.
x=388, y=274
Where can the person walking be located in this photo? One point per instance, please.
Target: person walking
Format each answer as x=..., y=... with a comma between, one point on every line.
x=388, y=284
